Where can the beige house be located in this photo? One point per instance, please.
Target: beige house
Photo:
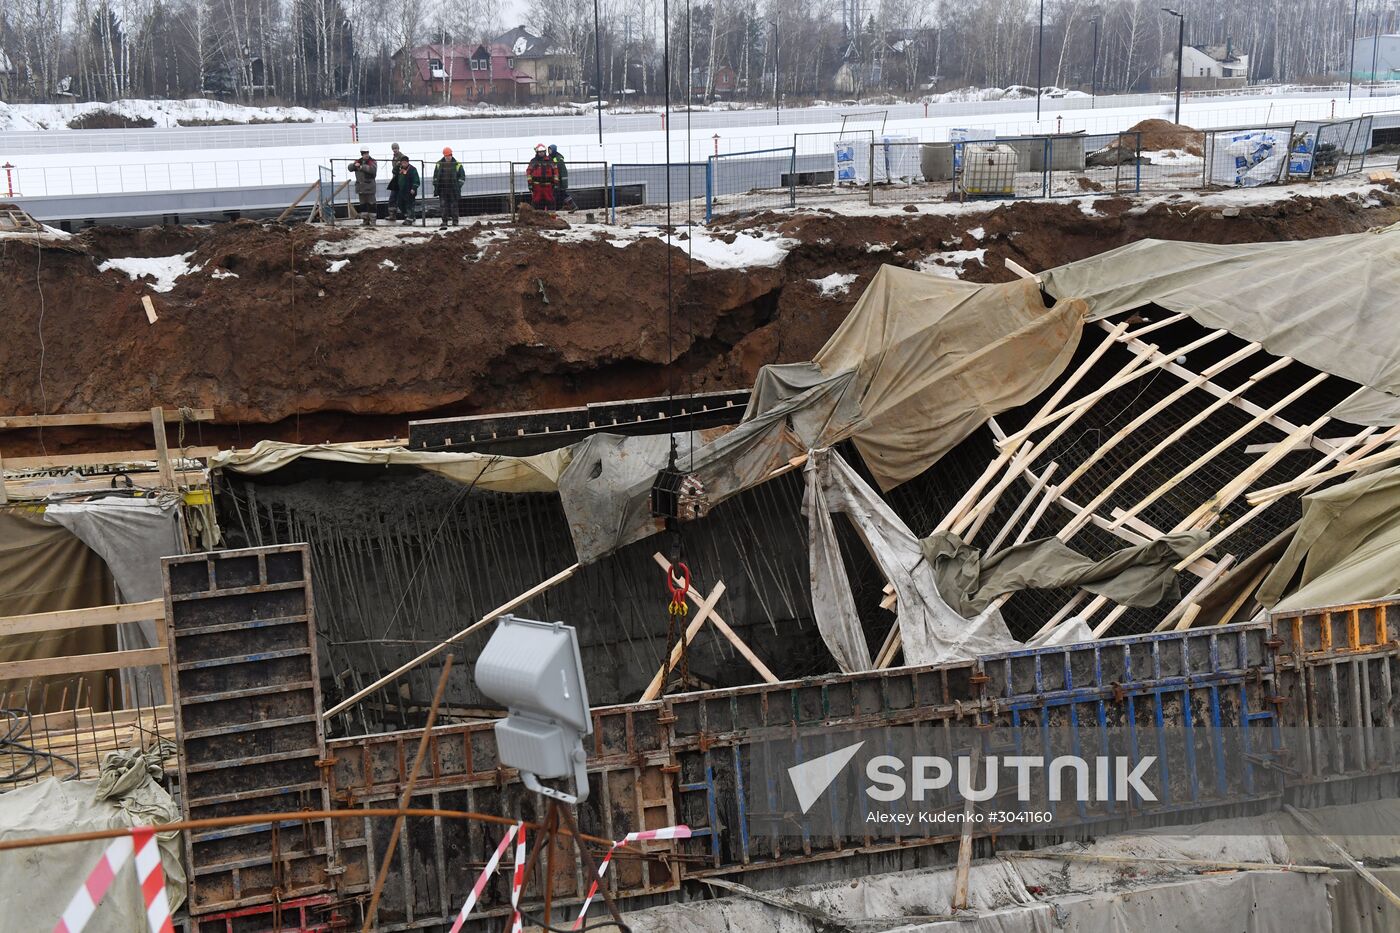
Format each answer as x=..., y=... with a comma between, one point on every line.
x=553, y=69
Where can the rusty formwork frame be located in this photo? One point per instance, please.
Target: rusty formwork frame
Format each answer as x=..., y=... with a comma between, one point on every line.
x=247, y=706
x=652, y=764
x=1340, y=672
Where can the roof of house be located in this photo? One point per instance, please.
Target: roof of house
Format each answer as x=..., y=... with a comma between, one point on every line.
x=525, y=42
x=455, y=61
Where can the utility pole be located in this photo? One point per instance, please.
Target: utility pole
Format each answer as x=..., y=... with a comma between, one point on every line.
x=598, y=66
x=1180, y=54
x=1039, y=60
x=1375, y=48
x=777, y=101
x=1351, y=69
x=1094, y=76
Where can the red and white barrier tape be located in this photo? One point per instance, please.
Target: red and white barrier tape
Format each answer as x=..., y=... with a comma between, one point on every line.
x=486, y=874
x=149, y=874
x=518, y=882
x=670, y=832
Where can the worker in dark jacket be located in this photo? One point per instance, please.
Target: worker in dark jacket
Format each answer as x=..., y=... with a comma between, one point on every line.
x=366, y=192
x=404, y=185
x=448, y=178
x=543, y=177
x=561, y=194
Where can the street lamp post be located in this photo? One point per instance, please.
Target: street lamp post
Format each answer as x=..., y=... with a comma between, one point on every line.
x=1094, y=75
x=1039, y=60
x=1180, y=54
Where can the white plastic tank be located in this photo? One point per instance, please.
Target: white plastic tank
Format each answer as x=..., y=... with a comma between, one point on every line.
x=989, y=170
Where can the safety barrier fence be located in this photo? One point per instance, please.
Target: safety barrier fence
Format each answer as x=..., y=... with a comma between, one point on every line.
x=632, y=185
x=763, y=179
x=585, y=186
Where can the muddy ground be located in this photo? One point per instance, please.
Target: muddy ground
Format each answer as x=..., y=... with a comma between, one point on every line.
x=478, y=321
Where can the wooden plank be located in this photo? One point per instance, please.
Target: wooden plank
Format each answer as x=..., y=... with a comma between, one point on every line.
x=4, y=495
x=98, y=418
x=724, y=628
x=84, y=663
x=150, y=309
x=104, y=459
x=167, y=471
x=1310, y=824
x=82, y=618
x=301, y=197
x=703, y=611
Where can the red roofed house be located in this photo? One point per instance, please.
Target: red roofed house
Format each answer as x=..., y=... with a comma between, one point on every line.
x=474, y=73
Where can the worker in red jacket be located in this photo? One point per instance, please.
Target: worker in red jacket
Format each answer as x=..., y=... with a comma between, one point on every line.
x=543, y=176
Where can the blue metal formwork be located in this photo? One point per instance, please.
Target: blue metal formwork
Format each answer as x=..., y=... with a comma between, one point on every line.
x=1201, y=701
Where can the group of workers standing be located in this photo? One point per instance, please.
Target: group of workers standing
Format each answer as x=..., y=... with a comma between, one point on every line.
x=547, y=175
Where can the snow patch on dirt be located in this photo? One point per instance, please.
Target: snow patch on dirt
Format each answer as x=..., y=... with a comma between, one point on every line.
x=337, y=265
x=949, y=264
x=162, y=270
x=838, y=283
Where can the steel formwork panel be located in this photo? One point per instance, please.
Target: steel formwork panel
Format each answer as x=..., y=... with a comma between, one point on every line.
x=247, y=703
x=1340, y=675
x=1202, y=701
x=678, y=759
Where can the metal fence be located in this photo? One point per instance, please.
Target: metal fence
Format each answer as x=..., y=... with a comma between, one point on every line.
x=1307, y=149
x=325, y=194
x=832, y=164
x=586, y=188
x=631, y=185
x=1327, y=150
x=763, y=179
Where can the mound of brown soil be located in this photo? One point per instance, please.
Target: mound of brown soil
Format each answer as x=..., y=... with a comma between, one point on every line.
x=1164, y=134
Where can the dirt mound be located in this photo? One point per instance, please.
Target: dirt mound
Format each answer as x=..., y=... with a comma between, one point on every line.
x=1164, y=134
x=311, y=334
x=527, y=216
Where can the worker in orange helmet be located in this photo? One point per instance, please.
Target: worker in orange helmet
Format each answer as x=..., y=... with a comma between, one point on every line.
x=448, y=178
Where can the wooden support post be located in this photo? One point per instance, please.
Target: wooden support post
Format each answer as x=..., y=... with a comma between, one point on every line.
x=724, y=629
x=1005, y=455
x=4, y=496
x=167, y=470
x=388, y=859
x=1310, y=824
x=1221, y=447
x=1249, y=590
x=1222, y=565
x=1271, y=493
x=291, y=207
x=1031, y=496
x=1206, y=512
x=702, y=613
x=1254, y=512
x=964, y=870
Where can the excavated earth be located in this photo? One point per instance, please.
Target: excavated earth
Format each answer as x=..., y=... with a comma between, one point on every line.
x=492, y=318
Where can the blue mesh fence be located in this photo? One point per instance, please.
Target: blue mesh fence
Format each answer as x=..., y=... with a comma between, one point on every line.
x=763, y=179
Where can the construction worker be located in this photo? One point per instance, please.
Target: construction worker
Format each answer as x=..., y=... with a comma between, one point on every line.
x=405, y=186
x=561, y=195
x=448, y=178
x=542, y=176
x=364, y=169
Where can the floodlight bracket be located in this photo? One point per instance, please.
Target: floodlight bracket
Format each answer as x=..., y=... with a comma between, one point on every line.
x=532, y=782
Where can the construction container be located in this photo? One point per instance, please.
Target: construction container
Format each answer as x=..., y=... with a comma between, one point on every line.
x=937, y=161
x=989, y=170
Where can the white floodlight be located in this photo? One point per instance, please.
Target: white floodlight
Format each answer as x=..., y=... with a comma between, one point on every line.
x=534, y=669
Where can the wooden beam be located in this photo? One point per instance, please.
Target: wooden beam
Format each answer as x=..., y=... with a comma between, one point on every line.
x=1310, y=824
x=104, y=459
x=4, y=495
x=98, y=418
x=1203, y=584
x=291, y=207
x=724, y=628
x=702, y=613
x=82, y=618
x=167, y=471
x=84, y=663
x=1032, y=496
x=1274, y=492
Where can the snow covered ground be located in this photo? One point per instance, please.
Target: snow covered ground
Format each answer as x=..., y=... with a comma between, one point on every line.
x=78, y=172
